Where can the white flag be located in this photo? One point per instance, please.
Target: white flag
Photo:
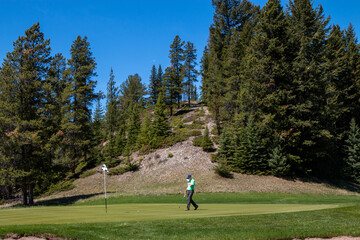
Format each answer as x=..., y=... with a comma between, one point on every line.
x=104, y=168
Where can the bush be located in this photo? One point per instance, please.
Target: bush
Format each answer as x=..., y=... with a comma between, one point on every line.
x=214, y=158
x=223, y=171
x=170, y=155
x=144, y=150
x=2, y=201
x=197, y=141
x=195, y=133
x=113, y=162
x=87, y=173
x=60, y=187
x=121, y=170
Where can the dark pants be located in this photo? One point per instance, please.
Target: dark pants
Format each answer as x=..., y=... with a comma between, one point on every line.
x=190, y=193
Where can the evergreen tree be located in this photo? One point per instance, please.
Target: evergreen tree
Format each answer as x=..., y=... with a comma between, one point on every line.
x=170, y=88
x=21, y=104
x=189, y=72
x=160, y=126
x=98, y=121
x=249, y=154
x=132, y=91
x=352, y=149
x=154, y=85
x=308, y=30
x=278, y=161
x=78, y=98
x=134, y=129
x=111, y=116
x=144, y=138
x=226, y=149
x=206, y=142
x=176, y=56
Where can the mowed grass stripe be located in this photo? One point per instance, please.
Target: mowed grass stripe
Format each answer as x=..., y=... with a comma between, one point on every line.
x=142, y=212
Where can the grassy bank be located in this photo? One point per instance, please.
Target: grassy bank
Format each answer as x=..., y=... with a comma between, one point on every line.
x=170, y=222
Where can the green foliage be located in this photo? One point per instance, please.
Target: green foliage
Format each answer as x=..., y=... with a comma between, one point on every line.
x=206, y=143
x=60, y=187
x=121, y=170
x=352, y=149
x=87, y=173
x=278, y=161
x=195, y=133
x=223, y=170
x=197, y=141
x=170, y=155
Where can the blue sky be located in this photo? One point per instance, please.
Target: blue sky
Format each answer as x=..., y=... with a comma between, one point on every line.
x=128, y=36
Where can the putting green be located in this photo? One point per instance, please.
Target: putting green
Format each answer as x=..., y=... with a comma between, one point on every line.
x=140, y=212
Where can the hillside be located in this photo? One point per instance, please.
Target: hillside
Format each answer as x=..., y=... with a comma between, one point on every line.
x=161, y=174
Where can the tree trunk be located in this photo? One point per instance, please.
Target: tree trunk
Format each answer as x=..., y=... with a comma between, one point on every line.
x=31, y=194
x=25, y=195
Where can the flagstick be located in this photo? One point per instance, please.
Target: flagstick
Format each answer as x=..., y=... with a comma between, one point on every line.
x=105, y=193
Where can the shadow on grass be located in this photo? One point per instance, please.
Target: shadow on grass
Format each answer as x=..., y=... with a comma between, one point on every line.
x=65, y=200
x=336, y=183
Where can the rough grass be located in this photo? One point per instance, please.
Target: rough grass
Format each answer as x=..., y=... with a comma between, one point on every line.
x=170, y=222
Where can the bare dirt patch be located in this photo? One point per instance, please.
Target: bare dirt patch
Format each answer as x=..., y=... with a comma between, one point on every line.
x=19, y=237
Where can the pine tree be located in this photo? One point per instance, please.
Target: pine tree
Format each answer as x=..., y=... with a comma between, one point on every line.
x=308, y=30
x=132, y=91
x=21, y=106
x=144, y=138
x=206, y=143
x=176, y=56
x=134, y=128
x=352, y=149
x=111, y=116
x=153, y=87
x=249, y=156
x=170, y=88
x=98, y=123
x=189, y=72
x=78, y=97
x=160, y=126
x=278, y=161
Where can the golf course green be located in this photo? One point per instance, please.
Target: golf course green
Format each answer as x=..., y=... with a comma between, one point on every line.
x=141, y=212
x=220, y=216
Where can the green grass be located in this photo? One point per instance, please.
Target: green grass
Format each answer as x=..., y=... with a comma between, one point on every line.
x=220, y=216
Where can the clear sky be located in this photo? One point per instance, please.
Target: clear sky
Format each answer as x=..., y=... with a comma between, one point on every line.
x=129, y=36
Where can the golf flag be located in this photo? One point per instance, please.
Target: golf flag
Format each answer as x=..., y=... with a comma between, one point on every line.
x=104, y=168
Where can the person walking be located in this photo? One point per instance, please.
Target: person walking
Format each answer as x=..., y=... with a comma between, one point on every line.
x=190, y=192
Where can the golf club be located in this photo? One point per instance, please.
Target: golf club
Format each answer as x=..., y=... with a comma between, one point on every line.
x=182, y=200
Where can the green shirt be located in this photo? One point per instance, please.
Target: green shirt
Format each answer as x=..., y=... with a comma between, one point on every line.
x=191, y=185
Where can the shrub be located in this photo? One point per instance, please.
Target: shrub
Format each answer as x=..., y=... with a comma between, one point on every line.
x=87, y=173
x=197, y=141
x=195, y=133
x=60, y=186
x=223, y=171
x=121, y=170
x=214, y=158
x=2, y=201
x=170, y=155
x=113, y=162
x=144, y=150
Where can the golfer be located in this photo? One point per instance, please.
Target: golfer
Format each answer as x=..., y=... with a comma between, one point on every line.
x=190, y=192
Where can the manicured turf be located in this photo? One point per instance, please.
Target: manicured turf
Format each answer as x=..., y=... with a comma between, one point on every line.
x=220, y=216
x=141, y=212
